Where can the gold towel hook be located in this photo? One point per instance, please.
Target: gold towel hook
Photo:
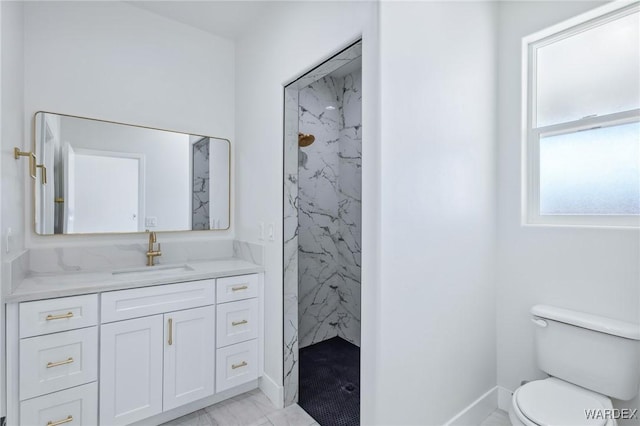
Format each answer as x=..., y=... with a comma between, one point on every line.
x=32, y=160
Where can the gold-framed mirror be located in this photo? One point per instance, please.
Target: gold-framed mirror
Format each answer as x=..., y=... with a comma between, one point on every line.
x=97, y=176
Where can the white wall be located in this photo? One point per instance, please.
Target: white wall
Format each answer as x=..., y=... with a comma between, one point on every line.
x=114, y=61
x=590, y=270
x=437, y=303
x=11, y=134
x=436, y=291
x=2, y=311
x=14, y=173
x=285, y=44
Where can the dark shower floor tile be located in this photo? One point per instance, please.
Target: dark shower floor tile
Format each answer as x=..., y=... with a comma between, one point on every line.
x=330, y=382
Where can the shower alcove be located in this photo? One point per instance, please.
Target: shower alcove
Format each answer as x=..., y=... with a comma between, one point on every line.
x=322, y=235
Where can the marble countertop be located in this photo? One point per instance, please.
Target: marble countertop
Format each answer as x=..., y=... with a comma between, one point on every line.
x=45, y=286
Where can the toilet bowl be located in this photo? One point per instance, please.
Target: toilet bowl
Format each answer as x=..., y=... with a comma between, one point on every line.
x=555, y=402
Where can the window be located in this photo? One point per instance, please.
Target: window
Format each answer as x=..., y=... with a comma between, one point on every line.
x=581, y=138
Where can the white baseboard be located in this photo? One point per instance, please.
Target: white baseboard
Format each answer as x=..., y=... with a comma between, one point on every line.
x=504, y=398
x=477, y=411
x=272, y=390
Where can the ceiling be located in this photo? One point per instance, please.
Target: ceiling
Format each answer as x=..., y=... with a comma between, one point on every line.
x=228, y=19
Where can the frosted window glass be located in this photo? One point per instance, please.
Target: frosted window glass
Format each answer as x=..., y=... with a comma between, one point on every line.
x=591, y=172
x=593, y=72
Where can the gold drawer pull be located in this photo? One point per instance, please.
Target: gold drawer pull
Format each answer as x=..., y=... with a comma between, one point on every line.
x=170, y=341
x=63, y=316
x=242, y=364
x=242, y=287
x=60, y=422
x=56, y=364
x=234, y=323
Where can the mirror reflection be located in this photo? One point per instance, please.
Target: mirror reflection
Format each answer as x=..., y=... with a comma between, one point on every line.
x=98, y=177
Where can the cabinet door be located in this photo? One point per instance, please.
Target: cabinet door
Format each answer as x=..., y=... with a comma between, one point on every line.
x=130, y=370
x=189, y=356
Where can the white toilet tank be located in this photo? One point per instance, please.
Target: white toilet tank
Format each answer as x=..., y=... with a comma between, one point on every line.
x=597, y=353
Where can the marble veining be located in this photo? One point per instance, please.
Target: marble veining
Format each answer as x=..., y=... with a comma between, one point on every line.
x=329, y=210
x=77, y=263
x=45, y=286
x=250, y=252
x=14, y=270
x=200, y=219
x=290, y=261
x=290, y=208
x=123, y=255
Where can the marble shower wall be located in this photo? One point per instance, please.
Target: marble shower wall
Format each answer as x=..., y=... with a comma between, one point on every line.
x=290, y=255
x=350, y=207
x=201, y=194
x=329, y=210
x=290, y=209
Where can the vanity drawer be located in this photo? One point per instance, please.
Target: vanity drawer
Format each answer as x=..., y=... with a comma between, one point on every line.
x=237, y=288
x=141, y=302
x=73, y=407
x=53, y=315
x=58, y=361
x=236, y=322
x=236, y=364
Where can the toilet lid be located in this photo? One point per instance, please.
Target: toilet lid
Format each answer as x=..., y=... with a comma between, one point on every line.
x=554, y=402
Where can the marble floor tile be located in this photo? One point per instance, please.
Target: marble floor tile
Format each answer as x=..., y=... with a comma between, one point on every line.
x=292, y=415
x=237, y=413
x=497, y=418
x=254, y=409
x=197, y=418
x=248, y=409
x=261, y=402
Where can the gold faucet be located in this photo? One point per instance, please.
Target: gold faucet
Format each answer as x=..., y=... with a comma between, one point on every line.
x=152, y=253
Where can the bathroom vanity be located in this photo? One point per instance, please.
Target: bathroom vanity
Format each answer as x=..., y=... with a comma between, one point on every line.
x=92, y=335
x=132, y=346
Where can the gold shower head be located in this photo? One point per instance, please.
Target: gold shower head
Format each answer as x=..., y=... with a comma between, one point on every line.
x=305, y=139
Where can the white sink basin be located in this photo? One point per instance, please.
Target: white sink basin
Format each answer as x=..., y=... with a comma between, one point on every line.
x=154, y=270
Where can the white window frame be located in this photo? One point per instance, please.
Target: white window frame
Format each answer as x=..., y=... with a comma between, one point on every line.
x=531, y=135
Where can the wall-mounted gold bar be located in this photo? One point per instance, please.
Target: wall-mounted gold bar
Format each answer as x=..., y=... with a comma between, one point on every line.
x=32, y=160
x=44, y=173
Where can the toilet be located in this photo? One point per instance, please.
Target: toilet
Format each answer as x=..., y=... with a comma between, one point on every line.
x=589, y=359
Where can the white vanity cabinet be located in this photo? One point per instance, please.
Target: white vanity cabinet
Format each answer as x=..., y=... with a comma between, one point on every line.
x=145, y=351
x=131, y=370
x=237, y=331
x=58, y=361
x=154, y=364
x=189, y=356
